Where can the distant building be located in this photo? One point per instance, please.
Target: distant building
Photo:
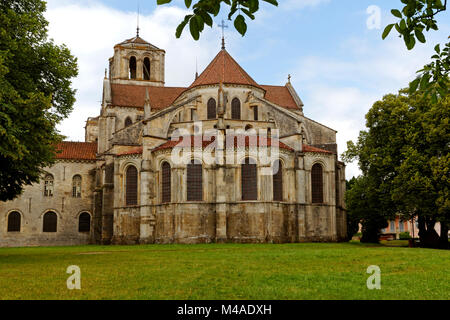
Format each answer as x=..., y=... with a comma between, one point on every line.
x=397, y=226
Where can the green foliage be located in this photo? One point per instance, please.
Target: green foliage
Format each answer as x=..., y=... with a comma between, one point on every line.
x=404, y=235
x=404, y=157
x=205, y=10
x=363, y=206
x=35, y=94
x=416, y=17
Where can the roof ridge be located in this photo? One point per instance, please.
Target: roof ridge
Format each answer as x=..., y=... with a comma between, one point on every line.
x=217, y=72
x=243, y=72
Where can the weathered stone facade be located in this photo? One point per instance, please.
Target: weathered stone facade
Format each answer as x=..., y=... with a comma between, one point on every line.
x=139, y=119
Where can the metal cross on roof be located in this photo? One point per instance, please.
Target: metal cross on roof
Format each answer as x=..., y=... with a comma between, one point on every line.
x=223, y=26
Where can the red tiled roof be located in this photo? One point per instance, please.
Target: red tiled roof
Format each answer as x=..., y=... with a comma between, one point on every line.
x=68, y=150
x=280, y=96
x=124, y=95
x=224, y=69
x=134, y=150
x=307, y=148
x=261, y=142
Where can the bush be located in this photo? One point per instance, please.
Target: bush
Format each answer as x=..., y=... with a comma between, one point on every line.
x=405, y=235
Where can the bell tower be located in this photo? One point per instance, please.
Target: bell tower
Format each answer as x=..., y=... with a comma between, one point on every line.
x=137, y=62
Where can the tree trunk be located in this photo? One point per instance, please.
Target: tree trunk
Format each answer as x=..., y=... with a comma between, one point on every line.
x=428, y=236
x=443, y=239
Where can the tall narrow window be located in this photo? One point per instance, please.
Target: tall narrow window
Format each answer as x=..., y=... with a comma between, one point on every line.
x=76, y=186
x=146, y=69
x=249, y=183
x=132, y=68
x=128, y=122
x=338, y=187
x=84, y=222
x=193, y=115
x=211, y=109
x=50, y=222
x=236, y=109
x=166, y=183
x=194, y=181
x=48, y=186
x=317, y=183
x=131, y=187
x=14, y=219
x=255, y=113
x=278, y=181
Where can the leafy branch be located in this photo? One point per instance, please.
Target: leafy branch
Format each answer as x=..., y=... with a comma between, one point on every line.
x=416, y=17
x=204, y=10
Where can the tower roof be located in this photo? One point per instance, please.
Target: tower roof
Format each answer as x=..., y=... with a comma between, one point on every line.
x=137, y=40
x=224, y=69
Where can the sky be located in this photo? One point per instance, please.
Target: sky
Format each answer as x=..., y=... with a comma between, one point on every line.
x=333, y=50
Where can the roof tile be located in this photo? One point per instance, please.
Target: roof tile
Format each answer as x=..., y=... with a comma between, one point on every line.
x=68, y=150
x=280, y=96
x=224, y=69
x=307, y=148
x=124, y=95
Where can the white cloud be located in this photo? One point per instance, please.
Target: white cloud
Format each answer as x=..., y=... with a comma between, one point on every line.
x=339, y=91
x=299, y=4
x=91, y=30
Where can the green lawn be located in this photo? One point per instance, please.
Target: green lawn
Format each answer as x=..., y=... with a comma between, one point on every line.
x=225, y=271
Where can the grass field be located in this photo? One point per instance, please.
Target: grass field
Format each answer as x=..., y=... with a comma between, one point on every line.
x=225, y=271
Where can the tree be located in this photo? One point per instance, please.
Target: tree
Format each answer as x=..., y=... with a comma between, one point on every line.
x=363, y=207
x=353, y=219
x=404, y=155
x=35, y=94
x=416, y=17
x=204, y=10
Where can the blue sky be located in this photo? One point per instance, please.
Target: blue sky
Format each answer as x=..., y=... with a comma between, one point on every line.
x=339, y=66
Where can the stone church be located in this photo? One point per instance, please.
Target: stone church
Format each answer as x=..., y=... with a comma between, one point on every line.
x=142, y=176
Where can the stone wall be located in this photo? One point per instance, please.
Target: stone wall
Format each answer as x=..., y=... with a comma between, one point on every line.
x=32, y=205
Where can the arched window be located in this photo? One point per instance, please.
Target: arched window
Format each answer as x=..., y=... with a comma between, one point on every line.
x=146, y=69
x=212, y=109
x=14, y=219
x=48, y=186
x=131, y=187
x=317, y=183
x=278, y=181
x=194, y=181
x=84, y=222
x=76, y=186
x=50, y=222
x=132, y=68
x=128, y=122
x=236, y=109
x=166, y=183
x=249, y=183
